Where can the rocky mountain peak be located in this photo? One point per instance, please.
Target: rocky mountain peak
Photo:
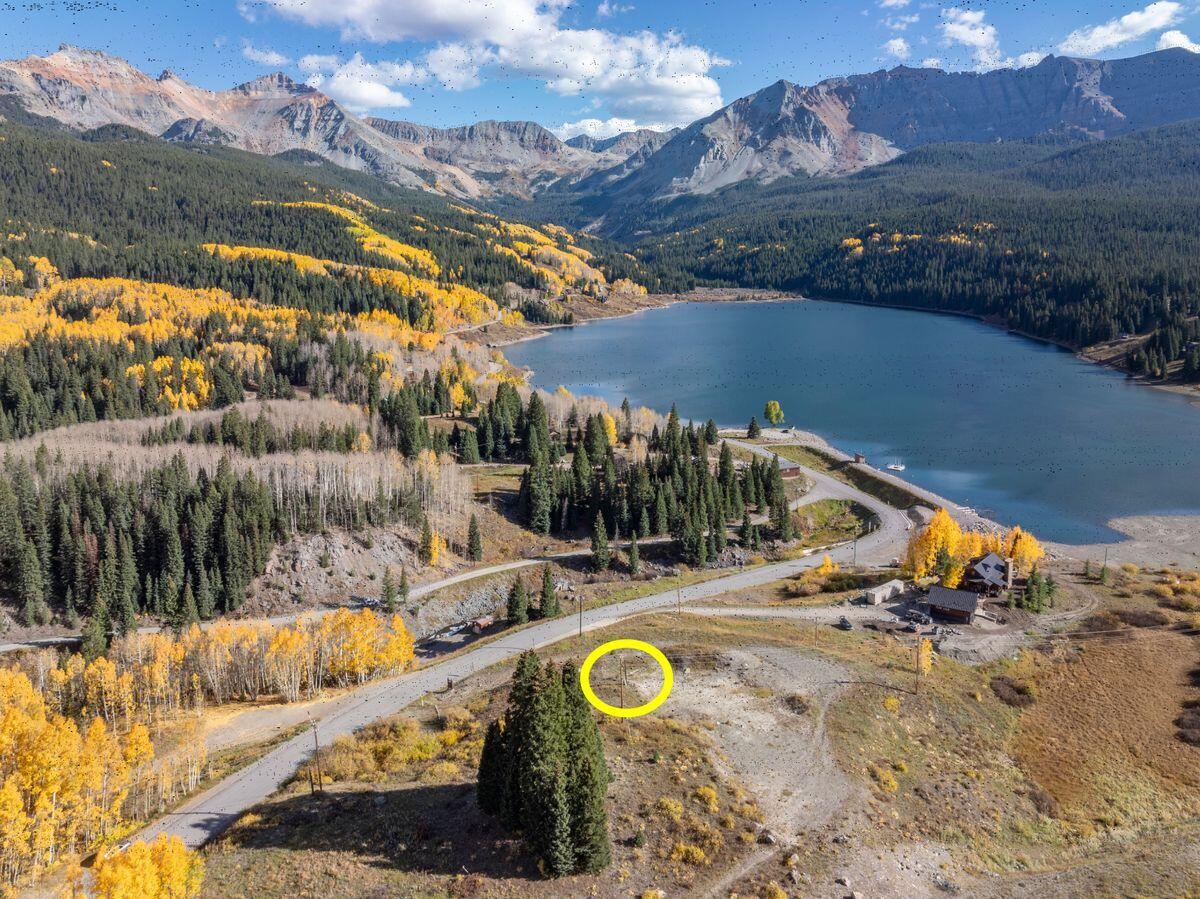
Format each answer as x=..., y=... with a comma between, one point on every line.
x=275, y=84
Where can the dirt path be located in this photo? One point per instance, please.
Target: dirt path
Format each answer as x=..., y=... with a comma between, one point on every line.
x=778, y=750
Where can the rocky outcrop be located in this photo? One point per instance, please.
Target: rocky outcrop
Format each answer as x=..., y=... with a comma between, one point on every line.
x=517, y=158
x=843, y=125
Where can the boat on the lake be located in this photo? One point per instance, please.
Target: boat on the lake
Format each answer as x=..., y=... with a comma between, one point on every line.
x=896, y=466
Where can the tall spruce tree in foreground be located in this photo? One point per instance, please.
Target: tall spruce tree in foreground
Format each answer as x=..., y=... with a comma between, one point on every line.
x=542, y=770
x=588, y=778
x=542, y=775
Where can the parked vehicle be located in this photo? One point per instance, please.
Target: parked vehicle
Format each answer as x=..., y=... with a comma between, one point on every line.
x=844, y=624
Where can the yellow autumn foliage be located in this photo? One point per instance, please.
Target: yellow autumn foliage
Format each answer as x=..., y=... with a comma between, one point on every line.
x=943, y=538
x=61, y=789
x=162, y=869
x=376, y=242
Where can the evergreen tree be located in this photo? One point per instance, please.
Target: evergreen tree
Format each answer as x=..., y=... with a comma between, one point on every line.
x=542, y=775
x=601, y=556
x=588, y=779
x=518, y=603
x=388, y=595
x=469, y=447
x=539, y=490
x=425, y=550
x=516, y=717
x=754, y=431
x=549, y=597
x=635, y=558
x=404, y=588
x=32, y=591
x=493, y=771
x=474, y=540
x=189, y=614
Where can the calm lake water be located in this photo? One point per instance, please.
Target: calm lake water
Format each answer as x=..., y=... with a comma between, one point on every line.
x=1021, y=431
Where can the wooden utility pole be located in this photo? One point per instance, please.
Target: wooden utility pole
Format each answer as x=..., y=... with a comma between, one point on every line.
x=317, y=757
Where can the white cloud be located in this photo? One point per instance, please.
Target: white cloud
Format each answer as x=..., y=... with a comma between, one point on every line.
x=457, y=66
x=362, y=85
x=317, y=62
x=901, y=23
x=598, y=128
x=608, y=8
x=264, y=56
x=248, y=10
x=645, y=76
x=1032, y=58
x=1115, y=32
x=897, y=47
x=1170, y=39
x=894, y=4
x=967, y=27
x=931, y=62
x=399, y=20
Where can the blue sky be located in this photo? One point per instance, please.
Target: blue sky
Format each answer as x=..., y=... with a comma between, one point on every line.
x=599, y=66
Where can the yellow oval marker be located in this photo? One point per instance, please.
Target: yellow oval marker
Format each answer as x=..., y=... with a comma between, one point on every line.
x=585, y=678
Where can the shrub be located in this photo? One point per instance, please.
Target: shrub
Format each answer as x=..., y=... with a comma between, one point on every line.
x=1141, y=617
x=666, y=807
x=441, y=771
x=1012, y=692
x=892, y=703
x=798, y=703
x=689, y=855
x=773, y=891
x=884, y=778
x=707, y=797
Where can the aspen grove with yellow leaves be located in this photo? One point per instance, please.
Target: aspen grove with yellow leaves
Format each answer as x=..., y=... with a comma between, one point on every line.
x=77, y=765
x=63, y=781
x=161, y=869
x=943, y=548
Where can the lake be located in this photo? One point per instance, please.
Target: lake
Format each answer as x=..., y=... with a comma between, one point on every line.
x=1021, y=431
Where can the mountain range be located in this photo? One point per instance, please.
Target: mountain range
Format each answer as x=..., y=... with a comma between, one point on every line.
x=835, y=128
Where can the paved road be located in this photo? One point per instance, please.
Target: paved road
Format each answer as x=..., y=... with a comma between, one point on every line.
x=204, y=816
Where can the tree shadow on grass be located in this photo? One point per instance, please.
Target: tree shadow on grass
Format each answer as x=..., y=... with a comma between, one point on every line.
x=426, y=829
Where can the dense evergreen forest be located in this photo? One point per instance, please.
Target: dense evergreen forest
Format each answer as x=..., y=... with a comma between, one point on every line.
x=173, y=544
x=1078, y=243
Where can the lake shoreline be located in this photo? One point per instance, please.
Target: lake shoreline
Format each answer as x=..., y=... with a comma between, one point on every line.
x=1157, y=537
x=756, y=295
